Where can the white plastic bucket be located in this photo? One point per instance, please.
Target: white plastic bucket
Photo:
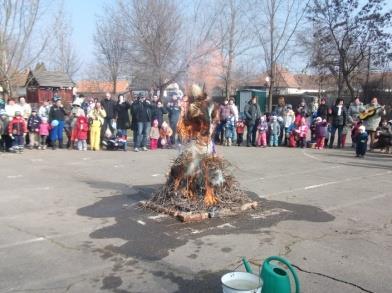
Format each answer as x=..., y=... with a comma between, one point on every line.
x=235, y=282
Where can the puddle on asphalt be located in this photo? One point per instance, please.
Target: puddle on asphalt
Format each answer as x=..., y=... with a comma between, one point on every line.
x=150, y=239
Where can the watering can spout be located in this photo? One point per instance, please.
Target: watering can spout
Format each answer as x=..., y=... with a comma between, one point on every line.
x=247, y=265
x=275, y=279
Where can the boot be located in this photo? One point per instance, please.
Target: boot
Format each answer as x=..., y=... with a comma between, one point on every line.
x=229, y=142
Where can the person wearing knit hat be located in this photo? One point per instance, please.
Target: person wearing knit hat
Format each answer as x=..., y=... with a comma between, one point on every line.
x=17, y=129
x=33, y=127
x=362, y=141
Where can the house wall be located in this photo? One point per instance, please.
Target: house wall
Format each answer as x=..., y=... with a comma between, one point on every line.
x=38, y=95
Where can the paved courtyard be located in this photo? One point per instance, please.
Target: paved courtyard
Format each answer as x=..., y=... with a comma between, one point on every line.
x=69, y=222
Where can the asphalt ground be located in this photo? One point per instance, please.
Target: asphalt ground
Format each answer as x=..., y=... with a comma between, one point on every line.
x=70, y=222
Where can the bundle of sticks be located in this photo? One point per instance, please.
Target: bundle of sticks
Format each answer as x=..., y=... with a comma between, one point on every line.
x=199, y=182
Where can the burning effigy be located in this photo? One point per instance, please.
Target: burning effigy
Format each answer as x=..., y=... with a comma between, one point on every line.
x=199, y=181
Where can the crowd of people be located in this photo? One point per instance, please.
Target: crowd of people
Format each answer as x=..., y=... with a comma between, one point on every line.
x=94, y=123
x=316, y=125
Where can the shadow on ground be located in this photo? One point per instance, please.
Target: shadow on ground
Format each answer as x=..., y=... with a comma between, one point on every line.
x=149, y=239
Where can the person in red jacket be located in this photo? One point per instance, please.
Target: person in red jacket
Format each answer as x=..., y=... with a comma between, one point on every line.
x=17, y=129
x=81, y=132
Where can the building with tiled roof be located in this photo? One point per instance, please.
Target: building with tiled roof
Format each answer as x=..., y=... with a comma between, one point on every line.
x=42, y=85
x=98, y=87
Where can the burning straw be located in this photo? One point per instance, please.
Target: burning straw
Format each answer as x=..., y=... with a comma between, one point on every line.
x=200, y=182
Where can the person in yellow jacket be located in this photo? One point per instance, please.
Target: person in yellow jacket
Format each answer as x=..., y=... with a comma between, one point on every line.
x=96, y=116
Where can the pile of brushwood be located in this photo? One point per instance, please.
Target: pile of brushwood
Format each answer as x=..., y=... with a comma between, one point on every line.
x=200, y=183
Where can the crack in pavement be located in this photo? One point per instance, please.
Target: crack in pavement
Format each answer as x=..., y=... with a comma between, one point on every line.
x=51, y=240
x=332, y=278
x=38, y=289
x=257, y=262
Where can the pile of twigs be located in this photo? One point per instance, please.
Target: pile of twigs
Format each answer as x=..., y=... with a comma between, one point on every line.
x=186, y=185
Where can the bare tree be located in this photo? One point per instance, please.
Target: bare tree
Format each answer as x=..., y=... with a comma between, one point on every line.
x=111, y=44
x=21, y=40
x=279, y=22
x=63, y=56
x=163, y=44
x=236, y=38
x=350, y=36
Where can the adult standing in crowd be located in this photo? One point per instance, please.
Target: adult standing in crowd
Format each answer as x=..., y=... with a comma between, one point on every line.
x=142, y=112
x=252, y=115
x=322, y=110
x=110, y=109
x=44, y=109
x=374, y=120
x=56, y=119
x=174, y=110
x=26, y=112
x=97, y=118
x=279, y=113
x=123, y=120
x=236, y=114
x=12, y=107
x=302, y=109
x=225, y=111
x=134, y=119
x=338, y=121
x=25, y=108
x=354, y=109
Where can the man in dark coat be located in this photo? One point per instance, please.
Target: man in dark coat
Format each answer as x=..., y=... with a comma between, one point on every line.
x=174, y=110
x=252, y=115
x=57, y=114
x=322, y=110
x=123, y=121
x=338, y=121
x=122, y=107
x=141, y=119
x=110, y=108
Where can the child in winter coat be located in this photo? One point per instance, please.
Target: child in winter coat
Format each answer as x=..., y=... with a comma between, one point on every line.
x=96, y=116
x=274, y=131
x=165, y=133
x=384, y=136
x=154, y=135
x=44, y=130
x=229, y=130
x=355, y=133
x=240, y=129
x=33, y=127
x=302, y=132
x=81, y=132
x=288, y=121
x=321, y=132
x=262, y=129
x=17, y=129
x=5, y=140
x=292, y=141
x=362, y=141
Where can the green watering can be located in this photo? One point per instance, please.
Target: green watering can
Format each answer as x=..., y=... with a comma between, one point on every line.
x=275, y=279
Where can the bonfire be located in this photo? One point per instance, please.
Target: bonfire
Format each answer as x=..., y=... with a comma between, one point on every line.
x=199, y=180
